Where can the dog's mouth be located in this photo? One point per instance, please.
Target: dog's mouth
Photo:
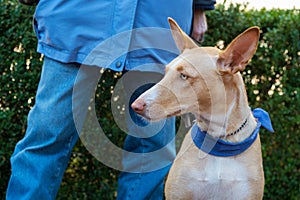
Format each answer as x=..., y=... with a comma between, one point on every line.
x=176, y=113
x=157, y=118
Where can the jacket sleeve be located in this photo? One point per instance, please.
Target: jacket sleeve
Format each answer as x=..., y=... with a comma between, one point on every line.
x=205, y=4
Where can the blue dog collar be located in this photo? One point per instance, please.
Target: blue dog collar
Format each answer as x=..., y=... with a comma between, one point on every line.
x=219, y=147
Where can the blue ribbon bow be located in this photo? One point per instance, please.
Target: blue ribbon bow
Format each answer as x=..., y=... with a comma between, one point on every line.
x=219, y=147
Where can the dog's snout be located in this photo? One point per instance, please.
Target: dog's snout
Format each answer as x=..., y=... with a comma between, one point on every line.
x=138, y=106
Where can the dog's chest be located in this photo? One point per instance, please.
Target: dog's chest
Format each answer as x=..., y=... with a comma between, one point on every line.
x=218, y=168
x=198, y=175
x=218, y=176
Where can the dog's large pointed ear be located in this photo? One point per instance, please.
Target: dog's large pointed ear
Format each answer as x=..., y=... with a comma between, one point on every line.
x=238, y=53
x=182, y=40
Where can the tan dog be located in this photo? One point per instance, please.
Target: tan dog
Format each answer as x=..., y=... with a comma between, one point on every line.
x=207, y=82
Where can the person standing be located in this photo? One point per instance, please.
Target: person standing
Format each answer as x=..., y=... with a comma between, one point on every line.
x=68, y=32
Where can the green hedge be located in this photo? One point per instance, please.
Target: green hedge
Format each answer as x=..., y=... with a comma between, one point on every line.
x=272, y=80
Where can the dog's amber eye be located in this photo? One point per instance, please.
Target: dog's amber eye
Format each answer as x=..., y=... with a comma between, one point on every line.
x=183, y=76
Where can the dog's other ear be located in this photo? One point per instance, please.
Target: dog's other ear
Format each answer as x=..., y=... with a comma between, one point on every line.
x=238, y=53
x=182, y=40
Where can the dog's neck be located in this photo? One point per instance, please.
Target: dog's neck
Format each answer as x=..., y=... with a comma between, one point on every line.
x=231, y=120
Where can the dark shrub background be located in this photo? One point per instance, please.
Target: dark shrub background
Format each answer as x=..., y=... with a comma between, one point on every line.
x=272, y=81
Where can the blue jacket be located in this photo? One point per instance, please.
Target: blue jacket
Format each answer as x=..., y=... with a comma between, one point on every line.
x=111, y=33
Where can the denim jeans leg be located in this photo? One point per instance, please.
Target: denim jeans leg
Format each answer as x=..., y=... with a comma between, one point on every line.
x=41, y=157
x=148, y=184
x=139, y=185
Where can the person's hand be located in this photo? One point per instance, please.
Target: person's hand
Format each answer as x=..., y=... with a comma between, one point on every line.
x=199, y=25
x=29, y=2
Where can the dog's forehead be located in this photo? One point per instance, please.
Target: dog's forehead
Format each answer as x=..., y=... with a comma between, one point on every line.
x=197, y=57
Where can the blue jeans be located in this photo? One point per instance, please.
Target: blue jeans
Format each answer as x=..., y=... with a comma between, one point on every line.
x=41, y=157
x=150, y=184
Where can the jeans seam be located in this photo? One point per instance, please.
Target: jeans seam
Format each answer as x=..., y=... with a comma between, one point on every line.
x=58, y=174
x=132, y=189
